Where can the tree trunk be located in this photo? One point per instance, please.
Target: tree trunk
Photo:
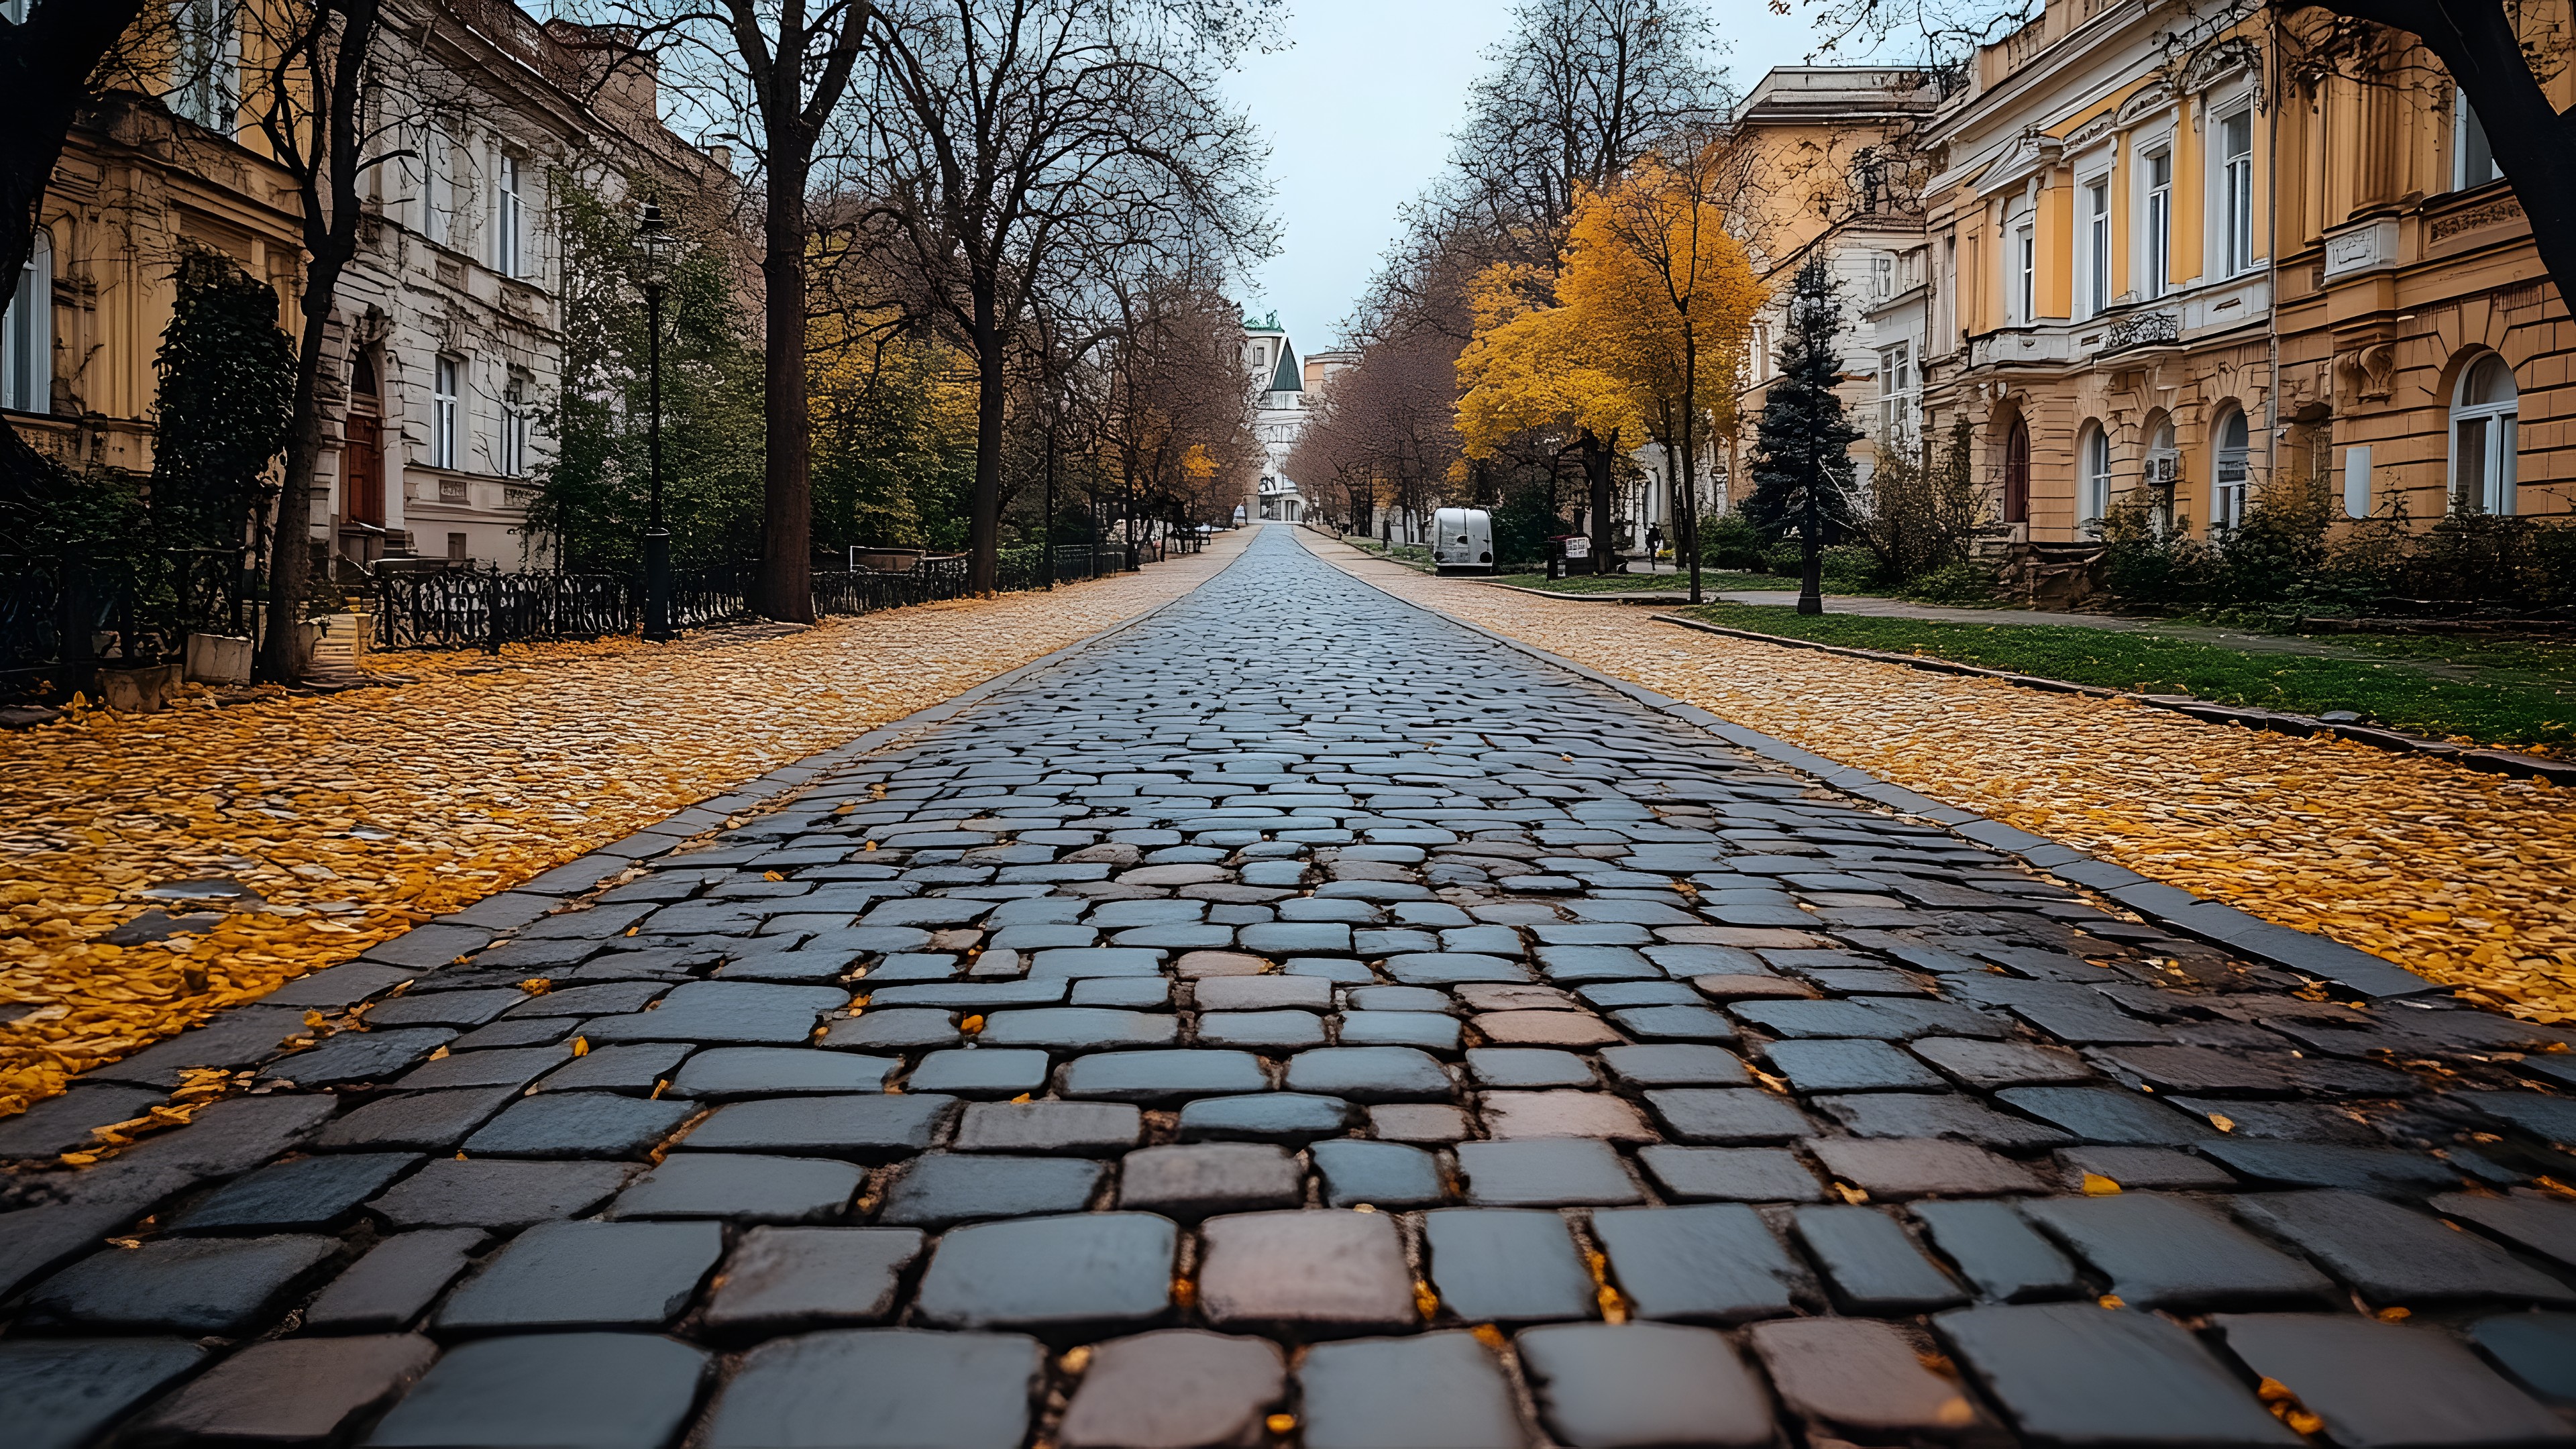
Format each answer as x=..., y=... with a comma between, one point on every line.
x=45, y=65
x=1686, y=510
x=1595, y=455
x=787, y=495
x=984, y=528
x=283, y=658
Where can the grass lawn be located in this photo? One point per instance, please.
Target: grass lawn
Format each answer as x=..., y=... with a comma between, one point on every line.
x=1711, y=581
x=2519, y=693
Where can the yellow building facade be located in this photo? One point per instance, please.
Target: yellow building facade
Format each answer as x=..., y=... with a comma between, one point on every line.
x=2170, y=264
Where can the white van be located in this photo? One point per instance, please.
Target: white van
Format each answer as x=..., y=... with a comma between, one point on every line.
x=1462, y=541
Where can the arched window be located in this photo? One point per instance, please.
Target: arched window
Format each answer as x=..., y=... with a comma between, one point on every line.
x=2093, y=498
x=2484, y=421
x=27, y=334
x=2017, y=473
x=2227, y=481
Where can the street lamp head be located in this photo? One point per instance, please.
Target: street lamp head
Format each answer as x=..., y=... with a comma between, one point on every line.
x=655, y=248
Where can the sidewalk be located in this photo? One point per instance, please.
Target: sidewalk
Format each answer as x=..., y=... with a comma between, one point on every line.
x=158, y=867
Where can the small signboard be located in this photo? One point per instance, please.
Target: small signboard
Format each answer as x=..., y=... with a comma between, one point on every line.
x=1577, y=546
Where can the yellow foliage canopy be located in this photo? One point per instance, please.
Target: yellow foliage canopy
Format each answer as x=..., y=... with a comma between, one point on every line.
x=1648, y=329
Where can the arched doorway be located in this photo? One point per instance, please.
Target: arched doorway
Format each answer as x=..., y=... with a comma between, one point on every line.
x=2017, y=473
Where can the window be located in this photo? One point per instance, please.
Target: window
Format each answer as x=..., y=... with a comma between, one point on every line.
x=514, y=429
x=2026, y=272
x=2485, y=419
x=27, y=334
x=2094, y=501
x=2097, y=246
x=2473, y=161
x=1882, y=275
x=1897, y=390
x=456, y=548
x=2236, y=148
x=2227, y=485
x=2017, y=473
x=506, y=214
x=442, y=415
x=1761, y=351
x=2159, y=247
x=205, y=76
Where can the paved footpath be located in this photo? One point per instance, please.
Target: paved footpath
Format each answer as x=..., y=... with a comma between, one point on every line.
x=1299, y=1020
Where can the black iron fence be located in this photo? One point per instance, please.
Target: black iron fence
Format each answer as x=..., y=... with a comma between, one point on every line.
x=464, y=608
x=63, y=618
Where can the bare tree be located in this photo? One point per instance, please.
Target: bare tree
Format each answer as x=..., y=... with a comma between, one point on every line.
x=309, y=105
x=1010, y=135
x=46, y=61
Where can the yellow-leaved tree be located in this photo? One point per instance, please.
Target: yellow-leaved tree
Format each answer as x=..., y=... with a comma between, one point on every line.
x=1665, y=298
x=1645, y=335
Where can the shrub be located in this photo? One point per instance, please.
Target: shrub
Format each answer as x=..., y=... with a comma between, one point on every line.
x=1962, y=583
x=1730, y=541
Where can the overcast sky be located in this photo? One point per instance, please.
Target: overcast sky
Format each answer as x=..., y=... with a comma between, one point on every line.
x=1358, y=110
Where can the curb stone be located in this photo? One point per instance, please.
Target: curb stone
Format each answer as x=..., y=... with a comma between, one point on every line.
x=2492, y=762
x=2177, y=909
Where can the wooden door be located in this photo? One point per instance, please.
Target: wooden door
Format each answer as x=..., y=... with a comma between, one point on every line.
x=362, y=471
x=2017, y=473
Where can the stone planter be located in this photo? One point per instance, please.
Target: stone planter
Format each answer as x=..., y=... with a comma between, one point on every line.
x=139, y=689
x=218, y=659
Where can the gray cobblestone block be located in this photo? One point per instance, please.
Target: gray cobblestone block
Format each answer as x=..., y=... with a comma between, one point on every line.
x=63, y=1392
x=1730, y=1174
x=1545, y=1029
x=453, y=1193
x=2377, y=1384
x=1605, y=1386
x=197, y=1286
x=1440, y=1389
x=339, y=987
x=1060, y=1276
x=1993, y=1064
x=881, y=1388
x=1261, y=1030
x=608, y=998
x=423, y=1120
x=882, y=1029
x=723, y=1012
x=1828, y=1065
x=1728, y=1116
x=1369, y=1074
x=1513, y=1116
x=1674, y=1064
x=393, y=1283
x=1998, y=1251
x=509, y=1069
x=586, y=1275
x=2396, y=1256
x=980, y=1072
x=1452, y=968
x=1870, y=1264
x=1263, y=993
x=1080, y=1029
x=576, y=1390
x=1177, y=1388
x=1164, y=1077
x=941, y=1188
x=786, y=1280
x=1381, y=1174
x=635, y=1069
x=579, y=1124
x=1849, y=1376
x=1079, y=1127
x=742, y=1188
x=1505, y=1265
x=1290, y=1118
x=2528, y=1220
x=1715, y=1263
x=310, y=1194
x=234, y=1039
x=1529, y=1067
x=1544, y=1172
x=1429, y=1031
x=1936, y=1114
x=2168, y=1252
x=422, y=1009
x=1304, y=1274
x=369, y=1056
x=1902, y=1167
x=2382, y=1171
x=1194, y=1181
x=62, y=1123
x=2071, y=1373
x=1134, y=993
x=862, y=1129
x=2537, y=1349
x=723, y=1073
x=290, y=1391
x=2145, y=1167
x=435, y=944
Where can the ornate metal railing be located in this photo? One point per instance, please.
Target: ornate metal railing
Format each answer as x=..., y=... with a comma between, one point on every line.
x=62, y=618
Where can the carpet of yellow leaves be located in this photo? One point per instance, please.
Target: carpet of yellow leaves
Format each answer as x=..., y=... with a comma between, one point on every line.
x=356, y=814
x=2467, y=878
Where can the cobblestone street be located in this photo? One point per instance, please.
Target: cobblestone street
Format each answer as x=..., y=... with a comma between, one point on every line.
x=1299, y=1020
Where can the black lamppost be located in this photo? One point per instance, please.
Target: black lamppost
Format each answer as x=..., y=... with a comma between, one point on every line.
x=656, y=251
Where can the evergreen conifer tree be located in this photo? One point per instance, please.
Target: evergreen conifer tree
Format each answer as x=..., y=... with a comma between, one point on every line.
x=1801, y=467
